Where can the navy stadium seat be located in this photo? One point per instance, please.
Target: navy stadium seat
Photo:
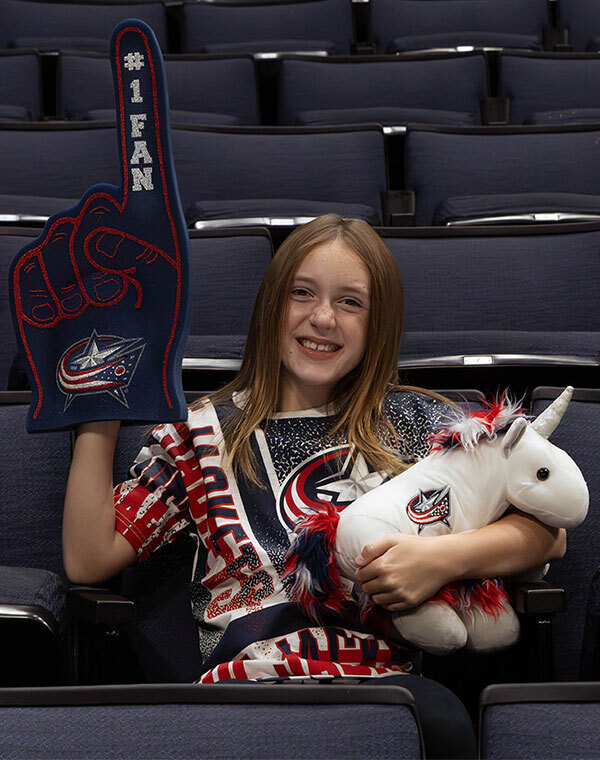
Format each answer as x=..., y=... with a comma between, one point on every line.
x=211, y=721
x=455, y=173
x=33, y=622
x=478, y=292
x=227, y=269
x=255, y=176
x=577, y=434
x=540, y=720
x=581, y=20
x=551, y=88
x=11, y=242
x=383, y=90
x=202, y=89
x=402, y=25
x=268, y=27
x=42, y=165
x=51, y=26
x=20, y=86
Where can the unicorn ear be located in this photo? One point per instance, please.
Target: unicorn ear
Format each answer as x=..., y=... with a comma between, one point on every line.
x=513, y=435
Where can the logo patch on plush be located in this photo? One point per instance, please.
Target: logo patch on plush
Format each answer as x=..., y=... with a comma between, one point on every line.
x=430, y=507
x=99, y=364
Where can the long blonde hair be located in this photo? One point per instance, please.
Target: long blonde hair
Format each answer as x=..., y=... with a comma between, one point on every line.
x=358, y=397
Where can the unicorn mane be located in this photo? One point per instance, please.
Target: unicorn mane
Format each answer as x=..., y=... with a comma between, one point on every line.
x=466, y=428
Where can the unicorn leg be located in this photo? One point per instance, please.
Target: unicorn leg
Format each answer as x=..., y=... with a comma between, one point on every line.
x=490, y=631
x=433, y=626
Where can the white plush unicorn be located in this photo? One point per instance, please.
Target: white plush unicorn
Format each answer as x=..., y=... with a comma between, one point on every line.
x=474, y=473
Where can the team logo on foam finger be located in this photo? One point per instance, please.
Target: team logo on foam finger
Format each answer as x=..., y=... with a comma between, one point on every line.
x=429, y=507
x=99, y=364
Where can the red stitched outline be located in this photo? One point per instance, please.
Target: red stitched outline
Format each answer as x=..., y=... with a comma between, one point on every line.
x=120, y=207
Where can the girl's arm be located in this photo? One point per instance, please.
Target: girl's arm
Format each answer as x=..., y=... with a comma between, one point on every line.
x=400, y=571
x=92, y=550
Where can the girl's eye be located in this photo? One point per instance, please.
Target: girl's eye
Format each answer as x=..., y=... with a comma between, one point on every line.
x=300, y=292
x=351, y=302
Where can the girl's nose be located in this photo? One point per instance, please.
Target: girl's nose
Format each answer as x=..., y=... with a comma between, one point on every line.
x=323, y=316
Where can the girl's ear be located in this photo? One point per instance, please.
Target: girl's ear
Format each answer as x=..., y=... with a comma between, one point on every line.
x=513, y=435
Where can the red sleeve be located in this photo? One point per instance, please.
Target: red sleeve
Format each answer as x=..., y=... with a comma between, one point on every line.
x=153, y=507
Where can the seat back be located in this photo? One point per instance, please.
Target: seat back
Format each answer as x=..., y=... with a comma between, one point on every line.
x=581, y=19
x=548, y=720
x=537, y=83
x=228, y=267
x=413, y=18
x=220, y=26
x=209, y=85
x=56, y=25
x=479, y=291
x=20, y=86
x=210, y=721
x=454, y=83
x=449, y=163
x=578, y=435
x=11, y=242
x=34, y=471
x=303, y=164
x=56, y=159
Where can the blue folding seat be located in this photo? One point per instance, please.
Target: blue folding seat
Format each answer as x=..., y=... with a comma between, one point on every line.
x=20, y=86
x=45, y=167
x=401, y=25
x=210, y=721
x=577, y=434
x=33, y=623
x=227, y=269
x=474, y=298
x=581, y=21
x=11, y=241
x=502, y=174
x=286, y=175
x=202, y=89
x=554, y=721
x=51, y=26
x=551, y=88
x=384, y=90
x=267, y=27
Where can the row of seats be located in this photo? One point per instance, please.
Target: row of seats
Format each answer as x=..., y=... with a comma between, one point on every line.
x=451, y=89
x=450, y=175
x=327, y=26
x=521, y=721
x=471, y=295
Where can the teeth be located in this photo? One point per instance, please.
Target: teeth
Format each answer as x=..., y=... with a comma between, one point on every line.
x=318, y=346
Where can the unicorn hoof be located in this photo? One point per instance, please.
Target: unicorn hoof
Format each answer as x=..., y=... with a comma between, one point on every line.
x=490, y=633
x=433, y=627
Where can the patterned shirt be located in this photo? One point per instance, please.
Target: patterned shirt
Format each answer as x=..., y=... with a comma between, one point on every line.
x=248, y=627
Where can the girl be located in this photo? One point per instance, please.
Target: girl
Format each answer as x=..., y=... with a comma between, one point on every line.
x=312, y=416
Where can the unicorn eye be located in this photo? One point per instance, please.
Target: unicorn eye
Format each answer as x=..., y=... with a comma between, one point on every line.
x=543, y=473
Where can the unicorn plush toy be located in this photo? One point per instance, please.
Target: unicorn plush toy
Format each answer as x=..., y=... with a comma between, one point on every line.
x=480, y=464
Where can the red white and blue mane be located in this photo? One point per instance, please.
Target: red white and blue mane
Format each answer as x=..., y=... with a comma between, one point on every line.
x=466, y=428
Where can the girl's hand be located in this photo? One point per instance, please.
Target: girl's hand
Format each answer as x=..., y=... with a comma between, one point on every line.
x=400, y=571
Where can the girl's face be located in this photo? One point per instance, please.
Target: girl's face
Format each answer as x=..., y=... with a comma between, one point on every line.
x=324, y=330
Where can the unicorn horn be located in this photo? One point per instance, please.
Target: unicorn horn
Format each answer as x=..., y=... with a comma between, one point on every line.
x=548, y=420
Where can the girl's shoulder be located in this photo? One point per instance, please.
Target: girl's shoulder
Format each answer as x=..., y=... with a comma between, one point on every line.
x=413, y=415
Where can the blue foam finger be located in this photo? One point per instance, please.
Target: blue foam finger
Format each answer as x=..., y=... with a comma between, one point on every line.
x=101, y=299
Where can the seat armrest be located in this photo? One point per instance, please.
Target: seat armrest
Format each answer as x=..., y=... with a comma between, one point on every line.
x=100, y=606
x=495, y=111
x=398, y=208
x=538, y=598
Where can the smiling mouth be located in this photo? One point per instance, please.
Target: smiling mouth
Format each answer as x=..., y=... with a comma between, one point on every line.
x=327, y=348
